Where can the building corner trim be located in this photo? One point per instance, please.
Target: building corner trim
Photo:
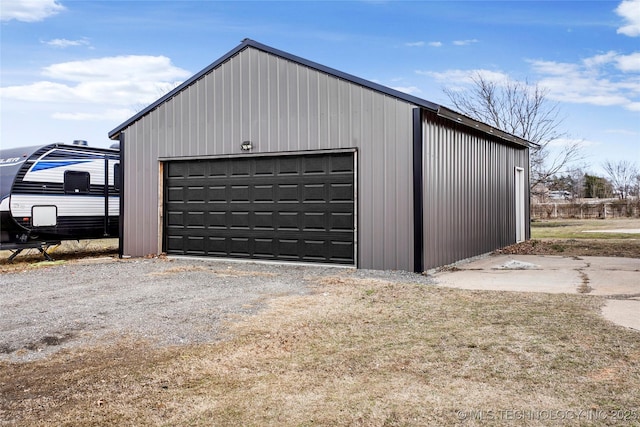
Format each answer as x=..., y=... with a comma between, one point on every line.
x=121, y=213
x=418, y=197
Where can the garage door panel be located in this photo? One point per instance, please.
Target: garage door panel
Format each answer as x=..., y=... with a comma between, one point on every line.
x=217, y=193
x=239, y=193
x=294, y=208
x=263, y=193
x=217, y=169
x=314, y=221
x=341, y=252
x=195, y=245
x=217, y=246
x=288, y=165
x=195, y=219
x=341, y=192
x=178, y=171
x=341, y=163
x=175, y=243
x=240, y=169
x=175, y=194
x=315, y=249
x=239, y=220
x=314, y=165
x=217, y=219
x=341, y=221
x=287, y=221
x=287, y=193
x=288, y=249
x=264, y=166
x=195, y=194
x=314, y=193
x=239, y=246
x=263, y=248
x=264, y=221
x=196, y=170
x=175, y=219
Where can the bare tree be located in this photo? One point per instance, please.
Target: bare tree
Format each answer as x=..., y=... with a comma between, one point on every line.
x=636, y=186
x=523, y=110
x=622, y=175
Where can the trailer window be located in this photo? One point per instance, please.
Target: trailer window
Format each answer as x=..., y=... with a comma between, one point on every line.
x=116, y=176
x=76, y=182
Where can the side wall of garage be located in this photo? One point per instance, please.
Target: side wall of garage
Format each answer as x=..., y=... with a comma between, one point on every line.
x=469, y=192
x=279, y=106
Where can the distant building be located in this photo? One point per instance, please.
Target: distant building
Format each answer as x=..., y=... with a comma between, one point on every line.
x=559, y=195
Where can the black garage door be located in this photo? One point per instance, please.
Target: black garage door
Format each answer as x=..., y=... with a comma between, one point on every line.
x=292, y=208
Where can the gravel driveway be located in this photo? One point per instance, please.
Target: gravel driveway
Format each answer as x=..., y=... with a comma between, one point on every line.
x=168, y=301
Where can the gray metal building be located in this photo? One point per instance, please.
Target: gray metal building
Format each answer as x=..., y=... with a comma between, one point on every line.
x=266, y=155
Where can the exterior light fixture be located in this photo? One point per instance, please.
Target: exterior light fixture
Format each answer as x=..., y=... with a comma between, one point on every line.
x=246, y=146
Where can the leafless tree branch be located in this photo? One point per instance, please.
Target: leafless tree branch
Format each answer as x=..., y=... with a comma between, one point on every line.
x=524, y=110
x=623, y=176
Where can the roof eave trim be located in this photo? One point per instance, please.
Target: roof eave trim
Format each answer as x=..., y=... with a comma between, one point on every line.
x=488, y=129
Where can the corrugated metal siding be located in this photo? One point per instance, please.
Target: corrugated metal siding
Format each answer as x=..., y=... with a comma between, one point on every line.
x=280, y=106
x=469, y=193
x=140, y=189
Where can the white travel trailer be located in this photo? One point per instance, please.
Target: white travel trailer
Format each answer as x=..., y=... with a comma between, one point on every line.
x=58, y=192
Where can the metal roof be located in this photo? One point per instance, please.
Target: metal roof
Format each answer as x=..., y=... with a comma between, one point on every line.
x=419, y=102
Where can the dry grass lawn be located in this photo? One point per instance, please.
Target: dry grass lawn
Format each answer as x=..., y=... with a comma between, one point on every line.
x=585, y=229
x=569, y=237
x=355, y=352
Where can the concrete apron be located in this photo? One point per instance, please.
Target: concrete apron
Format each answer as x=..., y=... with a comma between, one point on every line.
x=616, y=278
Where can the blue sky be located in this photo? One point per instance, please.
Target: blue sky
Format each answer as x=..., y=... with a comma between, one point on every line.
x=75, y=69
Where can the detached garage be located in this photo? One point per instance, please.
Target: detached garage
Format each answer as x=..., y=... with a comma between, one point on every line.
x=265, y=155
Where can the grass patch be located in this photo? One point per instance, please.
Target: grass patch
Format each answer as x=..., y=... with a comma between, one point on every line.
x=575, y=229
x=356, y=352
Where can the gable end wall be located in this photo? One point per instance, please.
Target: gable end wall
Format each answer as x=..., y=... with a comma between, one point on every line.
x=280, y=106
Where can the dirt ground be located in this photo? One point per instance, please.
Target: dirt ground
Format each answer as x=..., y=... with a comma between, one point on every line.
x=66, y=251
x=627, y=248
x=355, y=351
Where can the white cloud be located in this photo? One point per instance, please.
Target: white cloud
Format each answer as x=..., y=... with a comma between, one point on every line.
x=458, y=78
x=608, y=79
x=551, y=67
x=411, y=90
x=625, y=63
x=137, y=68
x=603, y=80
x=435, y=44
x=109, y=115
x=629, y=63
x=633, y=106
x=415, y=44
x=111, y=83
x=598, y=60
x=29, y=10
x=629, y=10
x=465, y=42
x=63, y=43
